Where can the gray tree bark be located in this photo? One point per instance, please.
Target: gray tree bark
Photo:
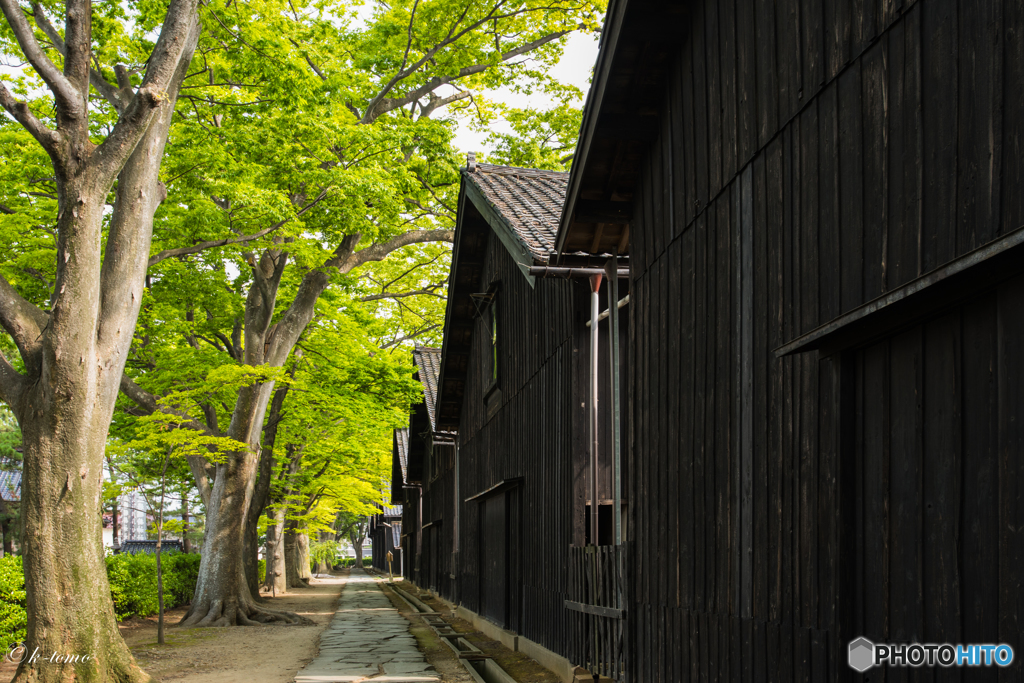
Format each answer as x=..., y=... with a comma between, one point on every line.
x=276, y=580
x=296, y=555
x=74, y=355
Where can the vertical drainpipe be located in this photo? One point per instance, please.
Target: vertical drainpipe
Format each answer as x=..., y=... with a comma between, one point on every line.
x=456, y=589
x=595, y=305
x=613, y=355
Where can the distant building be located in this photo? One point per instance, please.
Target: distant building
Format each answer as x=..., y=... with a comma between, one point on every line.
x=10, y=499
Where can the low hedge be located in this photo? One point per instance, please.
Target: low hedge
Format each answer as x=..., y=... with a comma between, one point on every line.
x=346, y=562
x=132, y=587
x=133, y=582
x=13, y=619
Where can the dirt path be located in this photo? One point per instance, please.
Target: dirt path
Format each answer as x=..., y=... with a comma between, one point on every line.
x=245, y=654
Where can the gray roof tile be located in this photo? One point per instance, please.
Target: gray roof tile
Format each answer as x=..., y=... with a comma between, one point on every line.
x=428, y=363
x=10, y=482
x=529, y=200
x=402, y=439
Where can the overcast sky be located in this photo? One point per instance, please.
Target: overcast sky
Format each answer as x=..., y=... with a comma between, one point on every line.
x=575, y=68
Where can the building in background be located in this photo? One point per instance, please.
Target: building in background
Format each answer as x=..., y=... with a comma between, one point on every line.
x=10, y=502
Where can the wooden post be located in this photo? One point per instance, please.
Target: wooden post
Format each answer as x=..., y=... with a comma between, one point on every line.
x=613, y=355
x=595, y=305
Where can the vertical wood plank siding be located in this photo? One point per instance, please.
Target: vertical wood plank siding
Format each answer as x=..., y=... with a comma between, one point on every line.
x=813, y=156
x=534, y=437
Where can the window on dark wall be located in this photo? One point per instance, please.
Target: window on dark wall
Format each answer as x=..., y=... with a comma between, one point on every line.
x=437, y=456
x=489, y=329
x=491, y=346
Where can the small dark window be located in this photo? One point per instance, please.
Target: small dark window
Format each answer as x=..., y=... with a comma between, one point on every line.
x=489, y=329
x=435, y=461
x=494, y=341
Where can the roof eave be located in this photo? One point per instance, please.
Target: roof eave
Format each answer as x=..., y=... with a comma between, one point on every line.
x=592, y=109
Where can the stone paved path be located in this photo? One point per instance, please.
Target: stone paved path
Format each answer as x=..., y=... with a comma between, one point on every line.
x=368, y=640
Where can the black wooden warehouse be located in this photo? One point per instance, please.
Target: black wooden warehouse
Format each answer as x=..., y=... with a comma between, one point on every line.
x=503, y=504
x=822, y=206
x=432, y=475
x=385, y=531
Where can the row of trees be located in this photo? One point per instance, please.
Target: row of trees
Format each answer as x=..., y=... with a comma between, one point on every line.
x=220, y=225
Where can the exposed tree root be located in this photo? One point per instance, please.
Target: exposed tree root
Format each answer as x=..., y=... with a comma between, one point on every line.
x=234, y=612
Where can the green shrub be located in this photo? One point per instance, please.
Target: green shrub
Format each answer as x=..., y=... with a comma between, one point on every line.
x=133, y=584
x=13, y=618
x=132, y=587
x=261, y=572
x=349, y=562
x=181, y=572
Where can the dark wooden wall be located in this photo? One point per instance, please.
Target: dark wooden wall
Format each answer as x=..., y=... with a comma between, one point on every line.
x=438, y=562
x=934, y=456
x=525, y=441
x=813, y=156
x=383, y=541
x=410, y=530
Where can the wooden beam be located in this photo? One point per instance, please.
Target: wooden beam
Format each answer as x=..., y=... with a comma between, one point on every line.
x=596, y=610
x=940, y=289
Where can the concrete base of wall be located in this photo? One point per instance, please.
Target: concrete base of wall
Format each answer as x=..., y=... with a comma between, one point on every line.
x=551, y=661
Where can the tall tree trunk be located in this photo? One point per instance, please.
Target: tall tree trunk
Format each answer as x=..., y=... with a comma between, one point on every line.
x=6, y=537
x=223, y=596
x=159, y=546
x=114, y=526
x=7, y=524
x=323, y=566
x=261, y=493
x=276, y=580
x=302, y=555
x=114, y=539
x=186, y=544
x=228, y=589
x=75, y=355
x=294, y=556
x=251, y=554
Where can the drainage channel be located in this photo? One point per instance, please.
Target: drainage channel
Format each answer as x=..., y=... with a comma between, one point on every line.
x=480, y=666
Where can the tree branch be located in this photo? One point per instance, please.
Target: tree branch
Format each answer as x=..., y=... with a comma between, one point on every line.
x=426, y=291
x=12, y=385
x=178, y=38
x=196, y=248
x=22, y=320
x=67, y=95
x=381, y=104
x=49, y=139
x=412, y=335
x=378, y=252
x=434, y=102
x=150, y=404
x=109, y=92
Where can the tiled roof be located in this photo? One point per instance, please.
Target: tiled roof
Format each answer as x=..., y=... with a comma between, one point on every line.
x=402, y=439
x=428, y=363
x=392, y=510
x=149, y=547
x=529, y=200
x=10, y=483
